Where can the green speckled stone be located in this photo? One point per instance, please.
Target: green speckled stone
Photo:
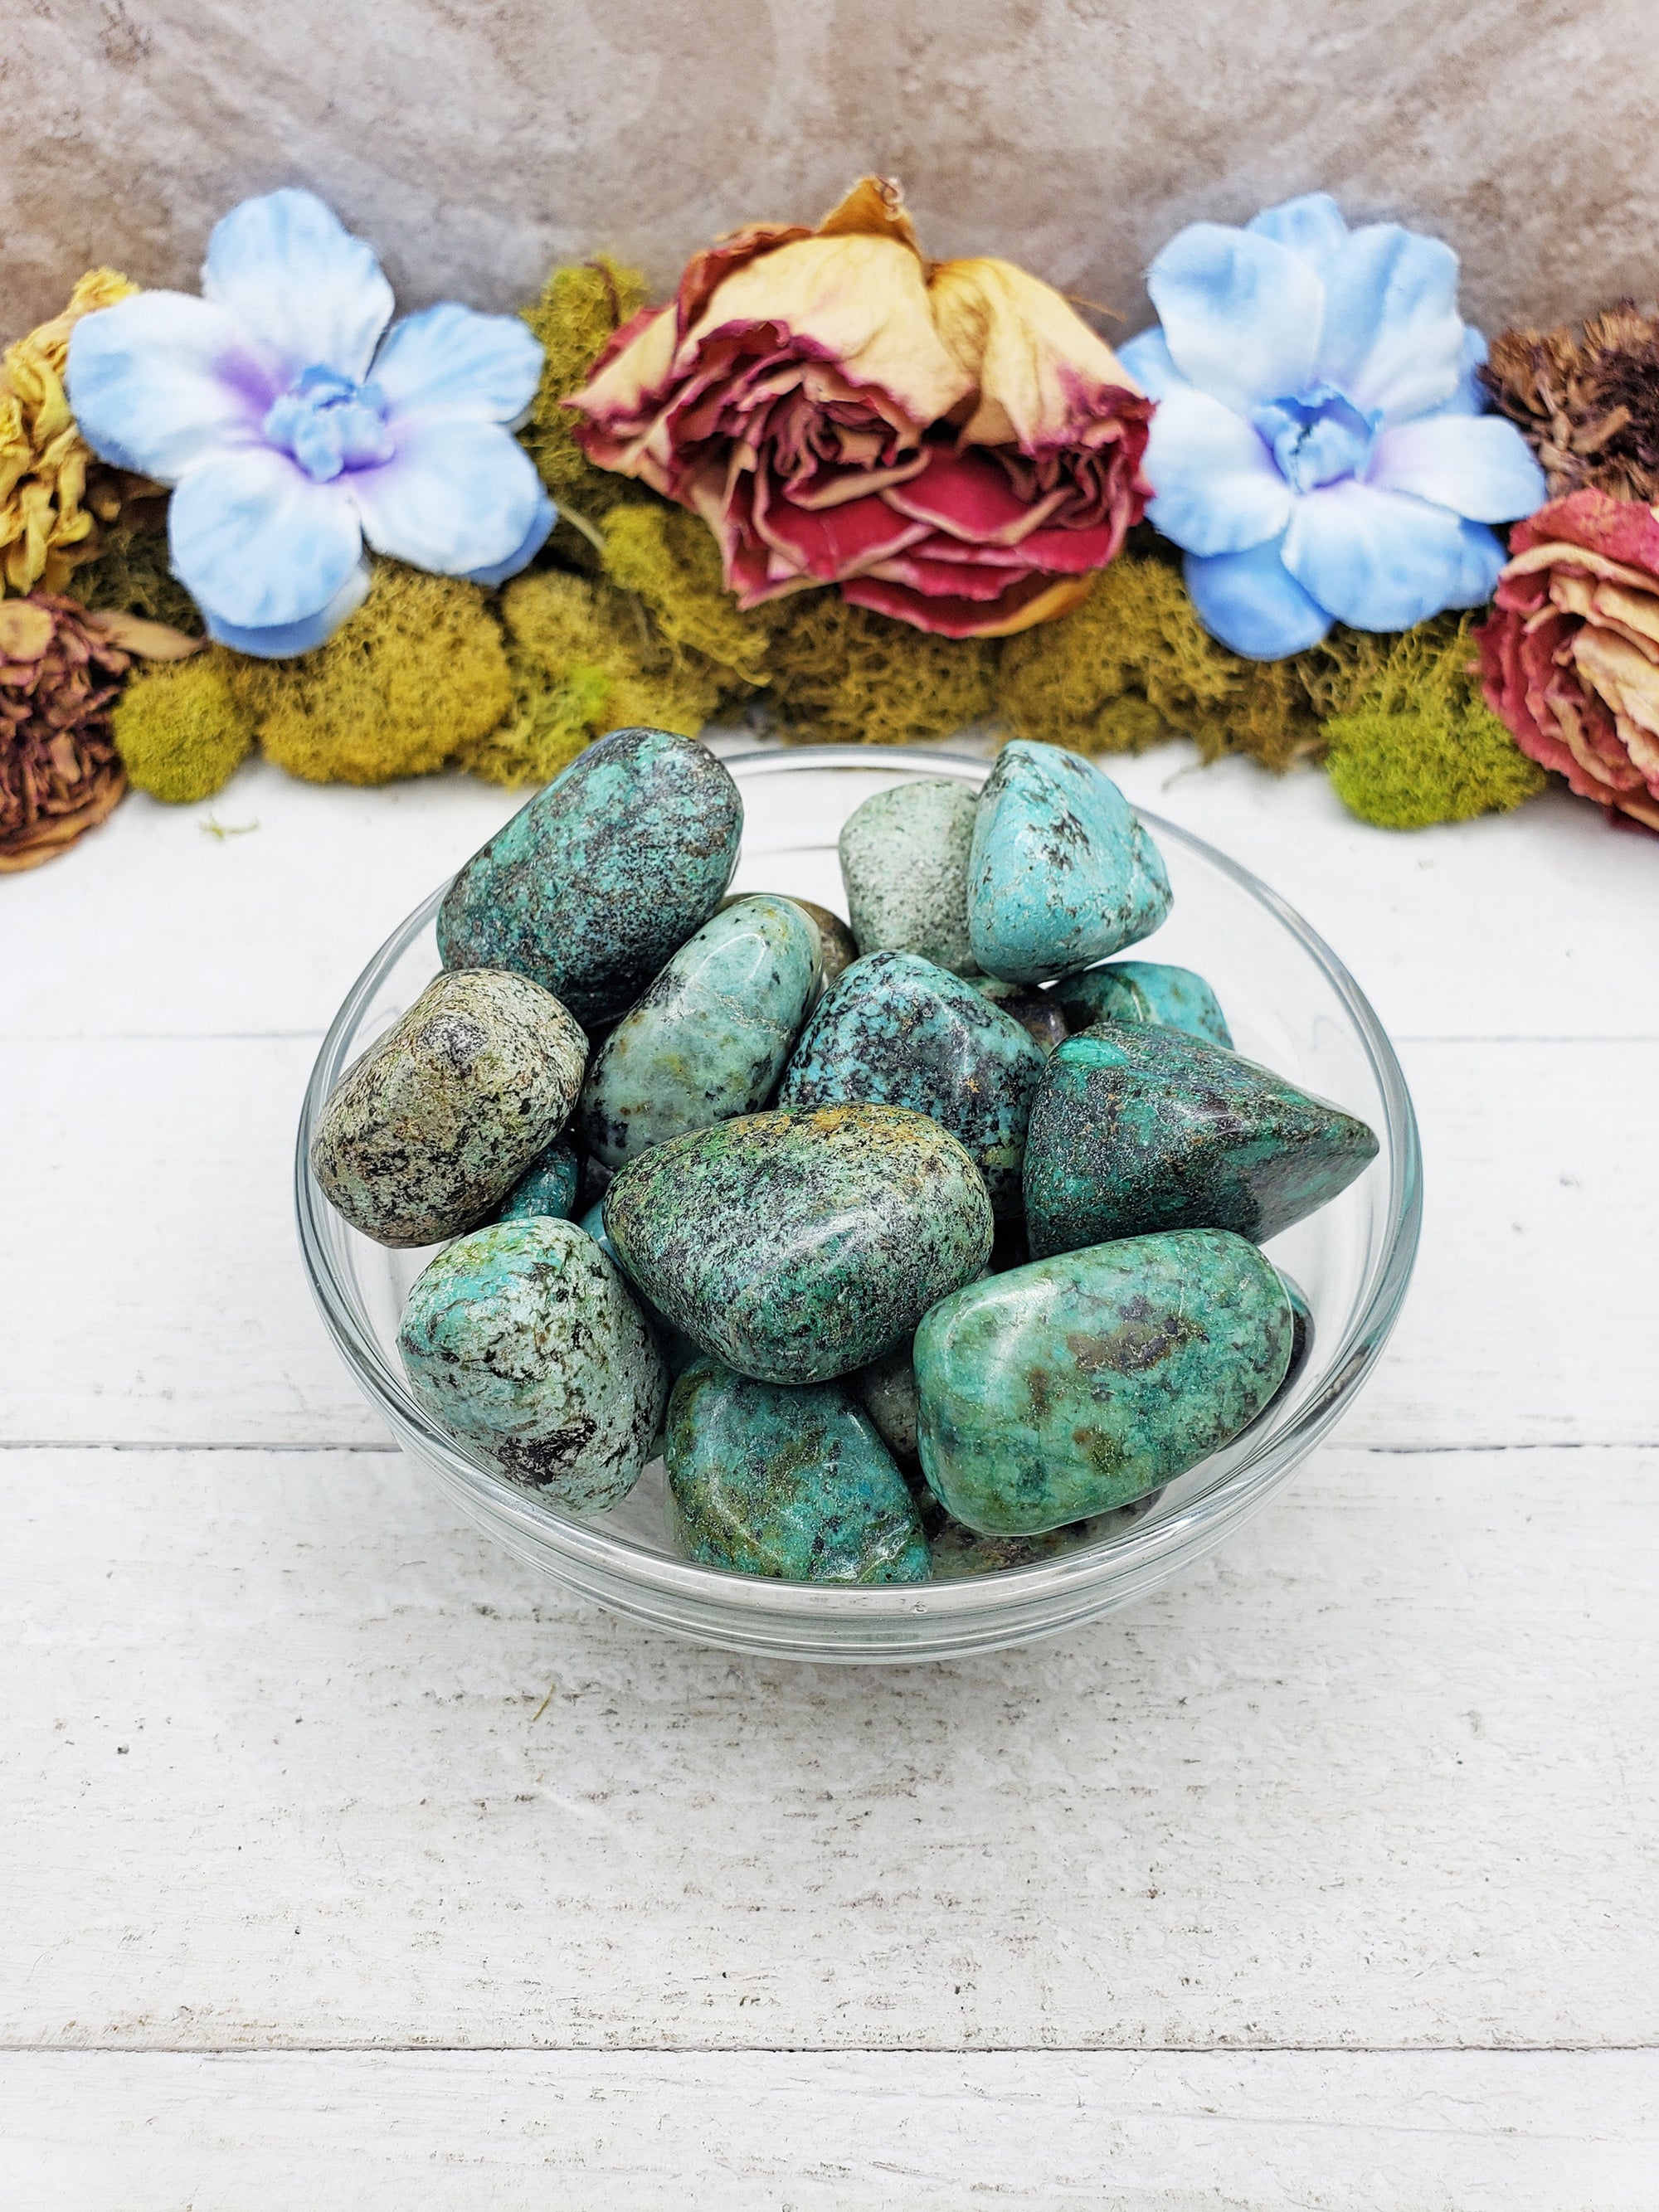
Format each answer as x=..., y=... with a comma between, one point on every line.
x=428, y=1130
x=1080, y=1382
x=897, y=1030
x=709, y=1037
x=1036, y=1010
x=797, y=1246
x=548, y=1186
x=837, y=946
x=958, y=1551
x=904, y=862
x=677, y=1350
x=886, y=1389
x=1137, y=1129
x=1062, y=873
x=592, y=886
x=1144, y=991
x=524, y=1339
x=792, y=1483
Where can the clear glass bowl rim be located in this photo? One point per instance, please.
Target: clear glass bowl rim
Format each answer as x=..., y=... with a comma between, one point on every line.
x=901, y=1622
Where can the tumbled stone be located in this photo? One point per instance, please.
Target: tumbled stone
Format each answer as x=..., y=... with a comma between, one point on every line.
x=524, y=1339
x=897, y=1030
x=1084, y=1381
x=709, y=1037
x=1144, y=991
x=1037, y=1011
x=837, y=946
x=679, y=1351
x=428, y=1130
x=904, y=861
x=591, y=887
x=791, y=1483
x=1061, y=874
x=1137, y=1129
x=548, y=1186
x=886, y=1389
x=958, y=1552
x=797, y=1246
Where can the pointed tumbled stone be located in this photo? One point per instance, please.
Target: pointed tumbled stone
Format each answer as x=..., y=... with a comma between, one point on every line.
x=524, y=1338
x=1137, y=1129
x=592, y=886
x=897, y=1030
x=1083, y=1381
x=548, y=1186
x=904, y=861
x=1144, y=991
x=709, y=1037
x=799, y=1246
x=791, y=1483
x=426, y=1132
x=1061, y=874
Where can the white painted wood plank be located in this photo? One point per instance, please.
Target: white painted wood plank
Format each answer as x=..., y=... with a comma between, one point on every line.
x=148, y=1183
x=293, y=1759
x=1515, y=926
x=1442, y=2131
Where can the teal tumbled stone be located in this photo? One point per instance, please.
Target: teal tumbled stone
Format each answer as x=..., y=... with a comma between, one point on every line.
x=677, y=1350
x=797, y=1246
x=524, y=1339
x=904, y=861
x=1062, y=873
x=792, y=1483
x=837, y=946
x=1137, y=1129
x=429, y=1128
x=1144, y=991
x=897, y=1030
x=1083, y=1381
x=709, y=1037
x=591, y=887
x=548, y=1186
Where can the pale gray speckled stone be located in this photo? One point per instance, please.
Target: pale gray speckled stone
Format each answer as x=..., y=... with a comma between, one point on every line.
x=904, y=861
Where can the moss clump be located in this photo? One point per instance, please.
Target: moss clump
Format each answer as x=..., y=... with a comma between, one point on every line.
x=179, y=729
x=580, y=310
x=585, y=661
x=1418, y=743
x=844, y=674
x=416, y=676
x=671, y=559
x=130, y=572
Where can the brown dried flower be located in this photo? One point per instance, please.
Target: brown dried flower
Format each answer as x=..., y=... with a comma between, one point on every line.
x=1586, y=401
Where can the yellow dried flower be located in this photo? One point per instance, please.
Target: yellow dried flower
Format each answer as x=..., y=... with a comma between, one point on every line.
x=48, y=510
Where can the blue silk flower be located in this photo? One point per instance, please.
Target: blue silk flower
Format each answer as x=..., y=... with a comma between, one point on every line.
x=1318, y=447
x=293, y=432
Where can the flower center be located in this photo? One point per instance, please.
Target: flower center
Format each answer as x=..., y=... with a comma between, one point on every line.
x=329, y=424
x=1317, y=438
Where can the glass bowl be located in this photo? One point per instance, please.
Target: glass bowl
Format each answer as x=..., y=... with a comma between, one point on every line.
x=1291, y=1006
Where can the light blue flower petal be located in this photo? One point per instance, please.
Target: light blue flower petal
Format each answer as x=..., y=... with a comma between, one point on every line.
x=1240, y=313
x=457, y=496
x=1311, y=226
x=1252, y=602
x=298, y=284
x=1380, y=560
x=286, y=639
x=1484, y=554
x=162, y=380
x=1392, y=341
x=1146, y=357
x=1217, y=488
x=1471, y=396
x=531, y=544
x=1478, y=465
x=449, y=359
x=257, y=544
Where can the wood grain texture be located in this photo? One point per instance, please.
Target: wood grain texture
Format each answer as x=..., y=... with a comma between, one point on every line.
x=1442, y=2131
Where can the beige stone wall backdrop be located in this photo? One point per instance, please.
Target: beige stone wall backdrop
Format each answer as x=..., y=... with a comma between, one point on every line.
x=477, y=141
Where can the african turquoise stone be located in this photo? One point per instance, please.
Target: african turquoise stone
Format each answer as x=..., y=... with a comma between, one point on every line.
x=791, y=1483
x=1137, y=1129
x=524, y=1339
x=677, y=1350
x=898, y=1032
x=837, y=946
x=904, y=861
x=428, y=1130
x=592, y=886
x=1144, y=991
x=1083, y=1381
x=711, y=1035
x=1062, y=872
x=799, y=1246
x=548, y=1186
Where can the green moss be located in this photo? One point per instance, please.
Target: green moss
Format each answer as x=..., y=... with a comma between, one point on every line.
x=414, y=677
x=1417, y=743
x=670, y=558
x=844, y=674
x=580, y=308
x=130, y=572
x=179, y=728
